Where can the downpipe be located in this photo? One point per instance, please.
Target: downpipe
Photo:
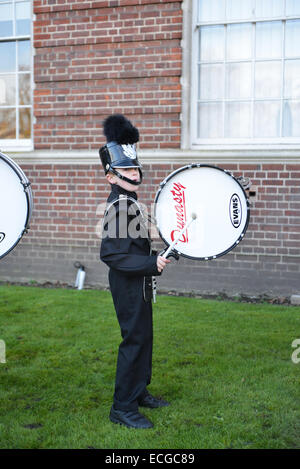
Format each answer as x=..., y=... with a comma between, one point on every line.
x=80, y=277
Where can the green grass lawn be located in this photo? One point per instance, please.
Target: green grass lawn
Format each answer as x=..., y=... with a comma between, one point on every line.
x=225, y=367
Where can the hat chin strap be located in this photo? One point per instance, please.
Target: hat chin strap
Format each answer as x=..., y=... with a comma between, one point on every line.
x=124, y=178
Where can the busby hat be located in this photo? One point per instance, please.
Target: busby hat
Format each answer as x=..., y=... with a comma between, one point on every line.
x=120, y=149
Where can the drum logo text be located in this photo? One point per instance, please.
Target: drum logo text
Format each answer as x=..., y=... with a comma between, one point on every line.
x=2, y=236
x=235, y=210
x=180, y=210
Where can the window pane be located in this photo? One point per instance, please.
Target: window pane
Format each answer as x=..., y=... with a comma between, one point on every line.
x=238, y=80
x=269, y=8
x=6, y=20
x=24, y=123
x=8, y=90
x=212, y=10
x=7, y=57
x=292, y=38
x=238, y=120
x=23, y=18
x=243, y=90
x=211, y=82
x=267, y=119
x=291, y=119
x=7, y=123
x=239, y=44
x=292, y=79
x=210, y=120
x=292, y=7
x=24, y=55
x=24, y=88
x=268, y=79
x=239, y=10
x=269, y=40
x=212, y=40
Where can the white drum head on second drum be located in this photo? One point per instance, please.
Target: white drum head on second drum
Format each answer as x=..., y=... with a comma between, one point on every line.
x=15, y=199
x=217, y=199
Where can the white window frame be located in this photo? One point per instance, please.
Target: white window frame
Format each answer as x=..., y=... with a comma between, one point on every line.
x=20, y=144
x=190, y=91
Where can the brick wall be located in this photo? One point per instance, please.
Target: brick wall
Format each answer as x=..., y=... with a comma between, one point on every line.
x=92, y=59
x=95, y=58
x=68, y=207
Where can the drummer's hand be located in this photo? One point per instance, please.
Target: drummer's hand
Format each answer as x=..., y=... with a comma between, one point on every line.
x=161, y=263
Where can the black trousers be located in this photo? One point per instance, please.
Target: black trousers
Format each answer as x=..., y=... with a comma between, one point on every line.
x=134, y=364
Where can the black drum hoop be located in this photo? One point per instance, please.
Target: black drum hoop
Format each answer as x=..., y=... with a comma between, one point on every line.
x=202, y=165
x=28, y=194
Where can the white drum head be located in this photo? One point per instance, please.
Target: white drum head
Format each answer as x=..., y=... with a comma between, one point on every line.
x=217, y=199
x=15, y=204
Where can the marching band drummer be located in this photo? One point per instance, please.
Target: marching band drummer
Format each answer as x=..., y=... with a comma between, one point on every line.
x=126, y=249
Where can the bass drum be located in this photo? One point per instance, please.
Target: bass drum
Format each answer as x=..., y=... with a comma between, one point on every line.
x=15, y=204
x=216, y=198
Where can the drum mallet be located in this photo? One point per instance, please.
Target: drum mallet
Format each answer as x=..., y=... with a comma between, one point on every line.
x=193, y=217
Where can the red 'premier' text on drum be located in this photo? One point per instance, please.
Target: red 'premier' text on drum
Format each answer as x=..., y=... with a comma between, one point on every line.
x=180, y=209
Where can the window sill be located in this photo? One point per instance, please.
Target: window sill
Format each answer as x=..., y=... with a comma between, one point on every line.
x=258, y=151
x=13, y=146
x=204, y=154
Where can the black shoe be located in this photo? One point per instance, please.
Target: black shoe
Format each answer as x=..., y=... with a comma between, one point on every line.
x=152, y=402
x=131, y=419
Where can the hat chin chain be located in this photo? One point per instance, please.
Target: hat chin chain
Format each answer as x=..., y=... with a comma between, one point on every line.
x=124, y=178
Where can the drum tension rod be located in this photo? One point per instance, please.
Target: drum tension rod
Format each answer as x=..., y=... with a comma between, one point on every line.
x=25, y=184
x=245, y=182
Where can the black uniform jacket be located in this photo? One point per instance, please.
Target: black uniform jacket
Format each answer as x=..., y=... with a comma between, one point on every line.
x=126, y=246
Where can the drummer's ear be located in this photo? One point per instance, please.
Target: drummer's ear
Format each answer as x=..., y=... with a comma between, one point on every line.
x=111, y=178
